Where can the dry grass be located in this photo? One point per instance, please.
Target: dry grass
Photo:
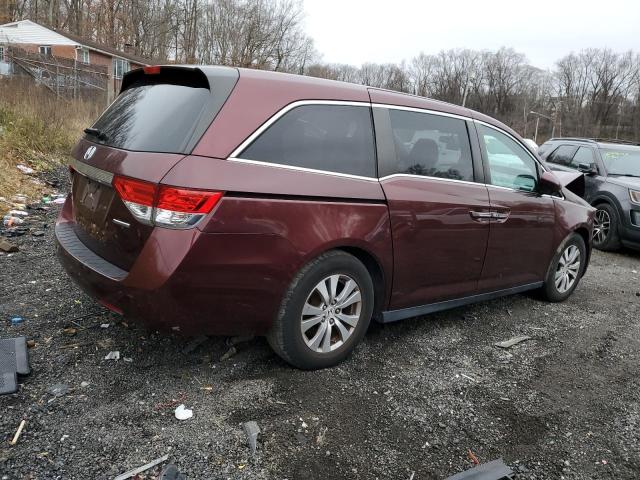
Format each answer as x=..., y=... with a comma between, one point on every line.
x=37, y=130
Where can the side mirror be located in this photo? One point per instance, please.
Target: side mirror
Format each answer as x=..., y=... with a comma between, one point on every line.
x=549, y=184
x=587, y=169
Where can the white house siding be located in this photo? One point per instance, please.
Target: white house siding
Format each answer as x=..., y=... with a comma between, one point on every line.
x=28, y=32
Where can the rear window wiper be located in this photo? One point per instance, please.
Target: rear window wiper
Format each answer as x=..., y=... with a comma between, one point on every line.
x=99, y=134
x=625, y=175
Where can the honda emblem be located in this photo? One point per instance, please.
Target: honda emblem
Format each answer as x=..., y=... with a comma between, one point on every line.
x=89, y=153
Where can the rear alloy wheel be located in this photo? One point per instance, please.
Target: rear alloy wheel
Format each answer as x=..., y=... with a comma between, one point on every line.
x=325, y=312
x=566, y=269
x=605, y=228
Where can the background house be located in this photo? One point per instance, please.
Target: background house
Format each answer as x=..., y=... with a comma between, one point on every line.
x=67, y=64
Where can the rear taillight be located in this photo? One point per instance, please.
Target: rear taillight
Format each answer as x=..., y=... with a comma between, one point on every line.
x=137, y=195
x=165, y=206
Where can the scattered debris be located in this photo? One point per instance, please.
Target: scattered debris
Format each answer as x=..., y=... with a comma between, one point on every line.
x=183, y=413
x=251, y=429
x=10, y=221
x=513, y=341
x=18, y=213
x=105, y=325
x=17, y=320
x=7, y=246
x=172, y=403
x=84, y=384
x=59, y=201
x=472, y=457
x=136, y=471
x=230, y=353
x=115, y=355
x=58, y=390
x=233, y=341
x=18, y=433
x=170, y=472
x=24, y=169
x=322, y=434
x=70, y=331
x=494, y=470
x=38, y=233
x=193, y=345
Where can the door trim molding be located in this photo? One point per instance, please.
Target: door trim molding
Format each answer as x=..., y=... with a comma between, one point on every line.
x=395, y=315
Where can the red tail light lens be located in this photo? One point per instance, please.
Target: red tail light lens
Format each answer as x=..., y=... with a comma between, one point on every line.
x=165, y=206
x=187, y=201
x=136, y=191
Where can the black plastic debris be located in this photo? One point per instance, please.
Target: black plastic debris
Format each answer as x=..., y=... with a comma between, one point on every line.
x=495, y=470
x=171, y=472
x=14, y=361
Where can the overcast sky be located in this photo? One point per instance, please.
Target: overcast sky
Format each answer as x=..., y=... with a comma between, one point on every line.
x=358, y=31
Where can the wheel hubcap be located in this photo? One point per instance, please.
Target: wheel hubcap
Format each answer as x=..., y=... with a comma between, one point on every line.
x=567, y=269
x=331, y=313
x=601, y=226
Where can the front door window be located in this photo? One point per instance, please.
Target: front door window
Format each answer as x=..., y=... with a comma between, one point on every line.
x=509, y=164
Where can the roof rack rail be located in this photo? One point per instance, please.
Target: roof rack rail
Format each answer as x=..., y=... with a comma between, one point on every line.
x=616, y=140
x=574, y=139
x=595, y=140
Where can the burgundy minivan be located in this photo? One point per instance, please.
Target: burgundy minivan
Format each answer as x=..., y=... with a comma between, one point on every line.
x=216, y=200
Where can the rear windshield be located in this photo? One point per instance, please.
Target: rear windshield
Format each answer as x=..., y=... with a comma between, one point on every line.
x=167, y=112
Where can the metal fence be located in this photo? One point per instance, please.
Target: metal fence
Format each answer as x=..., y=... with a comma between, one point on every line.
x=65, y=77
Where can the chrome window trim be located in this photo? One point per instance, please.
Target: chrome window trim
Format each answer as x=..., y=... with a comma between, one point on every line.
x=302, y=169
x=420, y=110
x=509, y=189
x=235, y=155
x=426, y=177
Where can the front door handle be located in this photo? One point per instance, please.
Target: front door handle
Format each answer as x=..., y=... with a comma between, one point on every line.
x=500, y=217
x=480, y=216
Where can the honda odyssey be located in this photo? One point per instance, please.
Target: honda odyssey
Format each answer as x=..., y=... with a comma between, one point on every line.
x=216, y=200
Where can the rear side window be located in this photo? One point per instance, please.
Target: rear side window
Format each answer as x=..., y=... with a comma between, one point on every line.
x=562, y=155
x=430, y=145
x=334, y=138
x=165, y=112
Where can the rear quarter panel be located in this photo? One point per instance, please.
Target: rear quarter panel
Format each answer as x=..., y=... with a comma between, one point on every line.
x=269, y=224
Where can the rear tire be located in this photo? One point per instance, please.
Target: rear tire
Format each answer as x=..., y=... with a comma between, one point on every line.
x=605, y=230
x=566, y=269
x=324, y=313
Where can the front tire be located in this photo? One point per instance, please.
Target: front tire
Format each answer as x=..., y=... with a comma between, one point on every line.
x=566, y=269
x=605, y=228
x=325, y=312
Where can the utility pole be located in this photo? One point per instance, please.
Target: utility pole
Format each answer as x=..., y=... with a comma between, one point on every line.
x=538, y=115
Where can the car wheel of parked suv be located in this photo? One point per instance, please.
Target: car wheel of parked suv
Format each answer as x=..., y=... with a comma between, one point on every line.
x=605, y=228
x=325, y=312
x=566, y=269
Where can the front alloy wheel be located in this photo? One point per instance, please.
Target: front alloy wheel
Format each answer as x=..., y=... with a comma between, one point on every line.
x=568, y=269
x=601, y=227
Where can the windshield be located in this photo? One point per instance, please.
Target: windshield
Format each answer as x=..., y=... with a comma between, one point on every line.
x=621, y=162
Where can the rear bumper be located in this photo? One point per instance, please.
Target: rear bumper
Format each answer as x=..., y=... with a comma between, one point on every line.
x=199, y=283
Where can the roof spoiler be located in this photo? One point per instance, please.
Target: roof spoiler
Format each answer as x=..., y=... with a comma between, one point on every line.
x=168, y=74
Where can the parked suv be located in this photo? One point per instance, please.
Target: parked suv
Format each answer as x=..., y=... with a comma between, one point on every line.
x=612, y=185
x=217, y=200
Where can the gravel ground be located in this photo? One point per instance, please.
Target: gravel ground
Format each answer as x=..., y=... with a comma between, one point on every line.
x=412, y=402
